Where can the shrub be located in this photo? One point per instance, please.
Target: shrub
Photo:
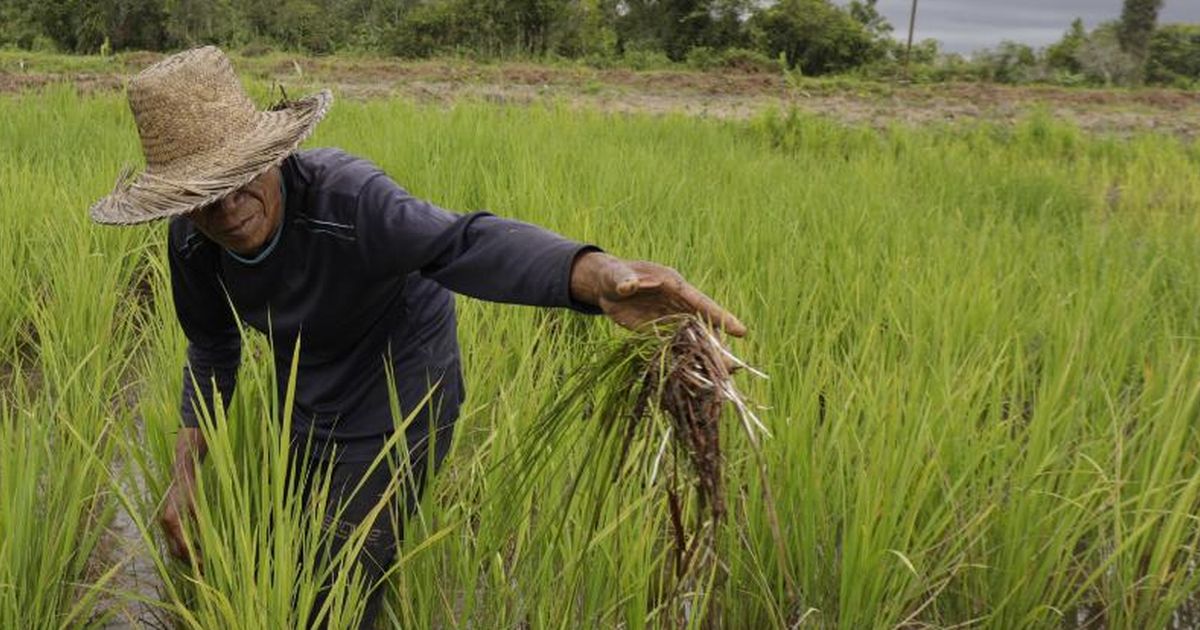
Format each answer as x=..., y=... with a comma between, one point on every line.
x=646, y=59
x=747, y=60
x=586, y=32
x=1174, y=55
x=1063, y=54
x=815, y=36
x=423, y=31
x=703, y=58
x=257, y=49
x=736, y=59
x=1102, y=59
x=303, y=25
x=1010, y=62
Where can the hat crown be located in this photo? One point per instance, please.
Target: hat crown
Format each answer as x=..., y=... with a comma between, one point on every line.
x=188, y=105
x=201, y=136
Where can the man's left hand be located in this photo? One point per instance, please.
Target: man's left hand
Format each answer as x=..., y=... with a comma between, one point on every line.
x=634, y=293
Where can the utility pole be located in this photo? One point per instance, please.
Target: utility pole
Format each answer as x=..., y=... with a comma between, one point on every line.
x=912, y=22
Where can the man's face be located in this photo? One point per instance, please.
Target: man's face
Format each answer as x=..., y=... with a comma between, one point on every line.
x=243, y=220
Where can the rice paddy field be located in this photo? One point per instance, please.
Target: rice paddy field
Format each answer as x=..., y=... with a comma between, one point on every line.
x=982, y=344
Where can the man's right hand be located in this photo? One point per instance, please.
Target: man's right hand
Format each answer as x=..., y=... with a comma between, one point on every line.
x=180, y=502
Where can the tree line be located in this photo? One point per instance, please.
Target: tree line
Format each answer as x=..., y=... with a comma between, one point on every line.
x=815, y=35
x=809, y=36
x=1129, y=50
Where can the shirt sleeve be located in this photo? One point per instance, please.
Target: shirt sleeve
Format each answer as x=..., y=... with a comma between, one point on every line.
x=477, y=254
x=214, y=349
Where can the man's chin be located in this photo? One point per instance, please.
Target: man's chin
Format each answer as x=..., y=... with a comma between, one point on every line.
x=240, y=245
x=242, y=248
x=244, y=240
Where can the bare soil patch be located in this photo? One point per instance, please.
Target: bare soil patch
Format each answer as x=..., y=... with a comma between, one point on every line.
x=87, y=83
x=719, y=94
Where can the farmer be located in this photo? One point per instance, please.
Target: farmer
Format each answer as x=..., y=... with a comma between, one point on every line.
x=323, y=249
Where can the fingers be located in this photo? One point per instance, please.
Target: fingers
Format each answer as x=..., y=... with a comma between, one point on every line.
x=174, y=531
x=706, y=308
x=627, y=286
x=180, y=550
x=176, y=543
x=649, y=291
x=635, y=284
x=629, y=281
x=173, y=527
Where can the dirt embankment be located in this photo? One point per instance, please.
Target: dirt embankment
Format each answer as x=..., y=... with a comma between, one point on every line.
x=709, y=94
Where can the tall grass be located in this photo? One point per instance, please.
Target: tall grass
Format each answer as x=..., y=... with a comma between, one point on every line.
x=981, y=343
x=263, y=541
x=64, y=378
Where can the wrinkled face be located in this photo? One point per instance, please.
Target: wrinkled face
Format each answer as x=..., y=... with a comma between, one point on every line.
x=243, y=220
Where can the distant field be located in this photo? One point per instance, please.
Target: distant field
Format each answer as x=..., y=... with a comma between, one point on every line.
x=664, y=90
x=982, y=342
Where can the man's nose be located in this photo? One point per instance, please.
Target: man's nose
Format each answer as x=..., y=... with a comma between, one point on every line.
x=228, y=203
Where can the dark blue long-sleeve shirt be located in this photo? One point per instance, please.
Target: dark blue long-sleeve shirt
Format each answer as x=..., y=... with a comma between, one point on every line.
x=362, y=273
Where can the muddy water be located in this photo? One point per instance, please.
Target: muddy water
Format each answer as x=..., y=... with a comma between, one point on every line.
x=137, y=579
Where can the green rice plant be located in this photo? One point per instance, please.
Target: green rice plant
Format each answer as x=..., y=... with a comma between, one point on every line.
x=53, y=508
x=980, y=340
x=263, y=549
x=651, y=408
x=14, y=280
x=63, y=400
x=65, y=350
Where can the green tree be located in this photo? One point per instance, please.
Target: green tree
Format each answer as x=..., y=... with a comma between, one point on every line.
x=1010, y=62
x=18, y=24
x=258, y=18
x=368, y=23
x=1102, y=59
x=59, y=20
x=1174, y=55
x=1063, y=54
x=677, y=26
x=728, y=25
x=588, y=29
x=815, y=36
x=82, y=26
x=531, y=22
x=684, y=25
x=865, y=12
x=423, y=30
x=306, y=25
x=1138, y=19
x=194, y=22
x=488, y=27
x=134, y=25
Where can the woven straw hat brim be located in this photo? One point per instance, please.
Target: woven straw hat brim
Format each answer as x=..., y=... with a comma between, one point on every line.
x=205, y=178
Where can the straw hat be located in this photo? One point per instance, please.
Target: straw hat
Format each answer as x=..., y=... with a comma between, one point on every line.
x=201, y=136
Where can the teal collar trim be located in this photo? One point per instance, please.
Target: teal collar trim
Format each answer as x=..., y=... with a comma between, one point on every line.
x=266, y=251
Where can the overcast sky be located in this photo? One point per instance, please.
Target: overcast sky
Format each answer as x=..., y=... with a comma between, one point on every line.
x=968, y=25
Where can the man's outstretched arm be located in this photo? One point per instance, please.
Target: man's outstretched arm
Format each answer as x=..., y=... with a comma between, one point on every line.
x=633, y=293
x=504, y=260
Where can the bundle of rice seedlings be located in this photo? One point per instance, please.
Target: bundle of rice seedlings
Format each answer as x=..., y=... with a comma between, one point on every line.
x=689, y=379
x=653, y=402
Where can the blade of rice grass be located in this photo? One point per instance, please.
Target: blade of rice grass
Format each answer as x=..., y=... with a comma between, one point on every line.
x=670, y=380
